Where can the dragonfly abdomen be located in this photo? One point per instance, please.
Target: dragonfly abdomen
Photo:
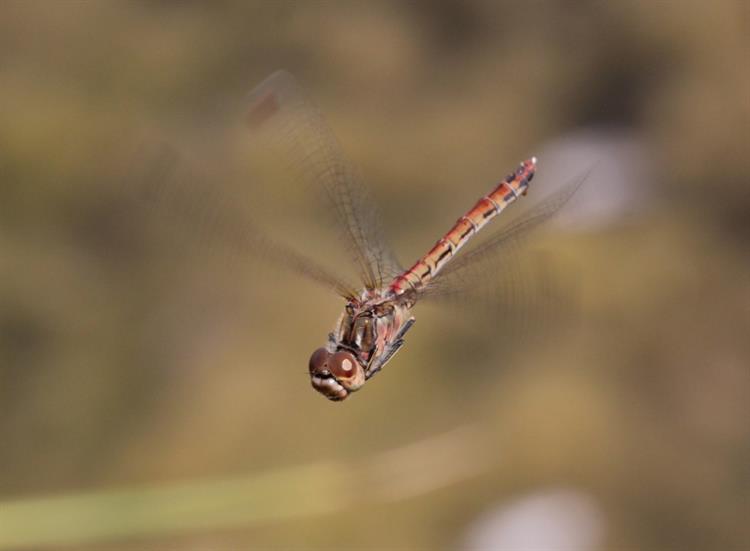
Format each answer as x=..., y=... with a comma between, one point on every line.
x=426, y=268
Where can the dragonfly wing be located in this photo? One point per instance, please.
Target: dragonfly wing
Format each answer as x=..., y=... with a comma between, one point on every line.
x=171, y=194
x=279, y=112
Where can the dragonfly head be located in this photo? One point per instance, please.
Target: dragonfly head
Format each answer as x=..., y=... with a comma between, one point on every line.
x=335, y=375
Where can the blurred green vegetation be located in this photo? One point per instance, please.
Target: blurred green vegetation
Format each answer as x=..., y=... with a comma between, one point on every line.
x=125, y=364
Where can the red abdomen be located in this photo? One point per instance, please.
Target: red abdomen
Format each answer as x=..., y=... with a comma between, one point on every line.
x=419, y=276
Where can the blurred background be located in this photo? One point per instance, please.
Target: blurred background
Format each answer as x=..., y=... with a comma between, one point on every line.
x=153, y=395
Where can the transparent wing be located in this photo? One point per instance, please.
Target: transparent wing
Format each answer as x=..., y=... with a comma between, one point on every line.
x=496, y=269
x=168, y=192
x=279, y=112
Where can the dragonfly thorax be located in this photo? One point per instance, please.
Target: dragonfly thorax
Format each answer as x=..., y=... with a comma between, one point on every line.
x=367, y=335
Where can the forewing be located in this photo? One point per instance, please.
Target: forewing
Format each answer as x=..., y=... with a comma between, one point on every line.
x=171, y=194
x=279, y=113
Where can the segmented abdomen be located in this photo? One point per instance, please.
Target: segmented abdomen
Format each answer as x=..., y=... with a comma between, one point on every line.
x=419, y=276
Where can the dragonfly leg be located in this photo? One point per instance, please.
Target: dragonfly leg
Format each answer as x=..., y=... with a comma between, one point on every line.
x=404, y=329
x=331, y=341
x=397, y=343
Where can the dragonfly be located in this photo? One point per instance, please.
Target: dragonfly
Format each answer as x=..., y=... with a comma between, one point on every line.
x=372, y=328
x=378, y=310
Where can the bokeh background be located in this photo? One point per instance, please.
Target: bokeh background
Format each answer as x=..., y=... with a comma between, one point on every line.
x=156, y=396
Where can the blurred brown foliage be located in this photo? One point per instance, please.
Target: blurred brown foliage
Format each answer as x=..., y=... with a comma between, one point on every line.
x=123, y=362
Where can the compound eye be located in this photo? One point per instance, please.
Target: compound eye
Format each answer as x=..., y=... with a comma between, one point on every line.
x=319, y=361
x=343, y=365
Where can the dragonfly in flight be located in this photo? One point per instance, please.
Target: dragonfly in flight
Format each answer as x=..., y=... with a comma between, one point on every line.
x=378, y=312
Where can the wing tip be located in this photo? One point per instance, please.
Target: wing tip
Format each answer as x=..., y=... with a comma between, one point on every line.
x=266, y=99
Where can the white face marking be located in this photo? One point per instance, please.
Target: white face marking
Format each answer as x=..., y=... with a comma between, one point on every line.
x=346, y=364
x=329, y=385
